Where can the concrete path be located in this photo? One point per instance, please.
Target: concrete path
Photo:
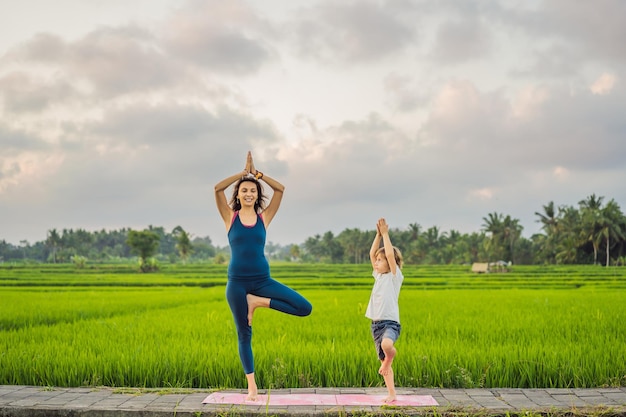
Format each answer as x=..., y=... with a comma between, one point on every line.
x=29, y=401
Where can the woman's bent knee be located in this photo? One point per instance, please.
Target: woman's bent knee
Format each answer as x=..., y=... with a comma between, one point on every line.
x=305, y=309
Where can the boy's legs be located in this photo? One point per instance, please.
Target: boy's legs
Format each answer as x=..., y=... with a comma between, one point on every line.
x=385, y=334
x=390, y=352
x=386, y=370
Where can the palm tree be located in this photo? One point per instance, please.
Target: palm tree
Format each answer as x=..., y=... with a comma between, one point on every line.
x=314, y=248
x=512, y=230
x=24, y=244
x=569, y=230
x=548, y=218
x=53, y=241
x=143, y=243
x=611, y=226
x=183, y=243
x=550, y=225
x=433, y=241
x=332, y=248
x=350, y=241
x=294, y=252
x=591, y=222
x=592, y=202
x=493, y=226
x=414, y=231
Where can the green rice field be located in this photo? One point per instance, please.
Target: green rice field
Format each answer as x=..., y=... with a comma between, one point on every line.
x=109, y=325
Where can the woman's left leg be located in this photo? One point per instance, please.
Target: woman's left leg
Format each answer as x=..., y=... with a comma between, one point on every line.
x=282, y=298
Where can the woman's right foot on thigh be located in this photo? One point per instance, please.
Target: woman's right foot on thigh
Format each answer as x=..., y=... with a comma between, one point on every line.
x=254, y=302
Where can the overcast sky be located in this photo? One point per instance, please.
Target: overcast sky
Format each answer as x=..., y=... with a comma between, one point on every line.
x=125, y=114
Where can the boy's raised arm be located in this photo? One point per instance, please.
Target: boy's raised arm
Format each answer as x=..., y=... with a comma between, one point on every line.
x=375, y=246
x=391, y=258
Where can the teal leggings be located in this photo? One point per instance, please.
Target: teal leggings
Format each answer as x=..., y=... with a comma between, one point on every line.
x=282, y=298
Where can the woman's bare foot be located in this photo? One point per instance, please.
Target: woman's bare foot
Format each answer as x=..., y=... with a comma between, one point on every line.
x=253, y=394
x=252, y=388
x=254, y=302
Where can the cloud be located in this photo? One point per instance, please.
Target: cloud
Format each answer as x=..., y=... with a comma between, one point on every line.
x=15, y=141
x=224, y=37
x=403, y=92
x=105, y=63
x=121, y=60
x=351, y=32
x=527, y=102
x=593, y=28
x=22, y=92
x=463, y=119
x=434, y=113
x=188, y=140
x=565, y=38
x=460, y=41
x=604, y=84
x=25, y=159
x=481, y=193
x=560, y=173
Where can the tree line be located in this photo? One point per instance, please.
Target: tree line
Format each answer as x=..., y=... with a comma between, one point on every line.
x=590, y=233
x=153, y=243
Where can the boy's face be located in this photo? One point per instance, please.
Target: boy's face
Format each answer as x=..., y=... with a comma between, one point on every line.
x=381, y=265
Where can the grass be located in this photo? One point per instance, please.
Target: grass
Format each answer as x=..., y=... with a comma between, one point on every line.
x=558, y=327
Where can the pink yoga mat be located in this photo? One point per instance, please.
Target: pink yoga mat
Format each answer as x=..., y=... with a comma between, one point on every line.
x=319, y=399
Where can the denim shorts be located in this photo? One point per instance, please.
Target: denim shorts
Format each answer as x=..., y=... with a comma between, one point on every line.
x=384, y=329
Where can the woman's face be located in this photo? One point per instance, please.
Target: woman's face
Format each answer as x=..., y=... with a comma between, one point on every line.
x=248, y=194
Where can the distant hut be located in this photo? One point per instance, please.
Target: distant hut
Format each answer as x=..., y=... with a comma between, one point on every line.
x=480, y=267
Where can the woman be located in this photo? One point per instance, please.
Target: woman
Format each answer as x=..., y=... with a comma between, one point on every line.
x=250, y=285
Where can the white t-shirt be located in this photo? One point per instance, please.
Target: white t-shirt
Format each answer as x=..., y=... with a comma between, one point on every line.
x=383, y=304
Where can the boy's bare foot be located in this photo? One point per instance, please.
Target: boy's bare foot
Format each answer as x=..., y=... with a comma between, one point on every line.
x=387, y=371
x=390, y=398
x=385, y=368
x=385, y=364
x=255, y=302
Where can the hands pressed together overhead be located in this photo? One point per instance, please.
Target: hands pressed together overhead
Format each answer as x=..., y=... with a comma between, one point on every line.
x=249, y=169
x=382, y=227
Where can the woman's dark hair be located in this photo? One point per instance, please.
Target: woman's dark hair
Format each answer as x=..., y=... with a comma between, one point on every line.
x=259, y=204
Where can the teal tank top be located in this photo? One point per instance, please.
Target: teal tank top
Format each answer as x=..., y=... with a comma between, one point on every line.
x=247, y=248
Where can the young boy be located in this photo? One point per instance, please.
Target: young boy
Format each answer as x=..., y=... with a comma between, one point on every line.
x=383, y=307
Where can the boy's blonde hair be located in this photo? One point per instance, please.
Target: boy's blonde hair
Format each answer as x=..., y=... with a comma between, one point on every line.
x=396, y=254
